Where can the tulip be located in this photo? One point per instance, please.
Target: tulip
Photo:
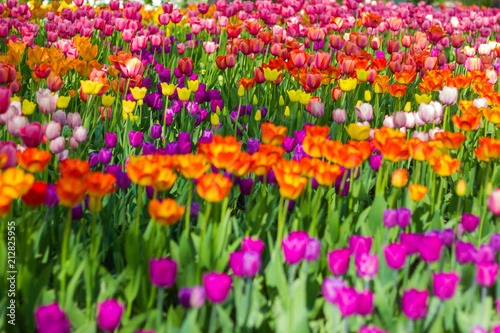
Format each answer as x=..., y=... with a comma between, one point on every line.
x=57, y=145
x=331, y=287
x=4, y=99
x=403, y=217
x=74, y=120
x=109, y=315
x=245, y=263
x=47, y=102
x=136, y=138
x=395, y=255
x=163, y=272
x=347, y=299
x=294, y=246
x=31, y=134
x=250, y=244
x=486, y=274
x=445, y=285
x=110, y=140
x=105, y=156
x=50, y=318
x=53, y=130
x=365, y=303
x=367, y=265
x=430, y=248
x=339, y=116
x=80, y=134
x=464, y=252
x=469, y=222
x=338, y=261
x=359, y=245
x=448, y=95
x=217, y=286
x=414, y=303
x=365, y=111
x=494, y=202
x=313, y=249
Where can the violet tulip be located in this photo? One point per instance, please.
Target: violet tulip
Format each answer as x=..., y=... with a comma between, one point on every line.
x=331, y=287
x=470, y=222
x=445, y=285
x=217, y=286
x=50, y=318
x=486, y=274
x=135, y=138
x=313, y=249
x=395, y=255
x=245, y=263
x=163, y=272
x=110, y=140
x=109, y=315
x=338, y=261
x=430, y=248
x=414, y=303
x=464, y=252
x=294, y=246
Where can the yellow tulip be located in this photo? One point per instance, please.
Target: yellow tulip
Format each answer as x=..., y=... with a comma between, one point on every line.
x=423, y=99
x=258, y=116
x=183, y=94
x=294, y=95
x=304, y=98
x=407, y=107
x=15, y=99
x=168, y=89
x=362, y=75
x=282, y=101
x=129, y=116
x=271, y=74
x=128, y=106
x=91, y=87
x=107, y=100
x=358, y=133
x=214, y=119
x=138, y=93
x=255, y=100
x=63, y=102
x=348, y=84
x=368, y=96
x=241, y=91
x=28, y=107
x=287, y=111
x=193, y=85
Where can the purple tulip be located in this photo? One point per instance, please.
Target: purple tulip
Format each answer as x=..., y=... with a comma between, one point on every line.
x=411, y=242
x=365, y=303
x=155, y=131
x=50, y=318
x=135, y=138
x=313, y=249
x=414, y=303
x=109, y=314
x=252, y=146
x=77, y=212
x=447, y=236
x=288, y=144
x=250, y=244
x=246, y=186
x=207, y=136
x=470, y=222
x=486, y=274
x=430, y=248
x=294, y=246
x=485, y=254
x=359, y=245
x=163, y=272
x=478, y=329
x=347, y=301
x=495, y=329
x=105, y=156
x=371, y=329
x=330, y=288
x=217, y=286
x=495, y=242
x=93, y=160
x=445, y=285
x=110, y=140
x=192, y=297
x=184, y=296
x=389, y=218
x=375, y=162
x=338, y=261
x=245, y=263
x=403, y=216
x=464, y=252
x=395, y=255
x=367, y=265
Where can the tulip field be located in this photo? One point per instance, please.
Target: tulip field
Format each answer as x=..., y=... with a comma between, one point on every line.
x=253, y=166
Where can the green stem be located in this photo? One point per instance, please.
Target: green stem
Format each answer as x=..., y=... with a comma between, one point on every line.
x=64, y=254
x=139, y=209
x=188, y=205
x=159, y=307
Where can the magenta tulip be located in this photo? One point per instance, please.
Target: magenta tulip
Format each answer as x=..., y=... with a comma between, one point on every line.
x=294, y=246
x=163, y=272
x=217, y=286
x=338, y=261
x=445, y=285
x=486, y=274
x=414, y=303
x=109, y=314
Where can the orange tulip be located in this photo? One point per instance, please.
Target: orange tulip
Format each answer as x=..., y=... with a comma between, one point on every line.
x=467, y=121
x=326, y=173
x=241, y=165
x=444, y=165
x=492, y=115
x=421, y=150
x=222, y=151
x=405, y=77
x=450, y=140
x=100, y=184
x=272, y=134
x=291, y=186
x=347, y=156
x=308, y=166
x=164, y=180
x=396, y=150
x=383, y=135
x=166, y=212
x=74, y=168
x=314, y=145
x=15, y=182
x=323, y=131
x=192, y=166
x=365, y=148
x=5, y=201
x=287, y=167
x=265, y=158
x=33, y=160
x=399, y=178
x=142, y=170
x=417, y=192
x=213, y=187
x=71, y=191
x=488, y=149
x=397, y=90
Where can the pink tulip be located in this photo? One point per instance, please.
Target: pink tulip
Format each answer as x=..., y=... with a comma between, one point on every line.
x=210, y=47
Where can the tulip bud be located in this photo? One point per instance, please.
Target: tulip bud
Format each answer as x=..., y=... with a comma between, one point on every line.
x=287, y=111
x=109, y=315
x=241, y=91
x=217, y=286
x=368, y=96
x=258, y=116
x=399, y=178
x=214, y=119
x=163, y=272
